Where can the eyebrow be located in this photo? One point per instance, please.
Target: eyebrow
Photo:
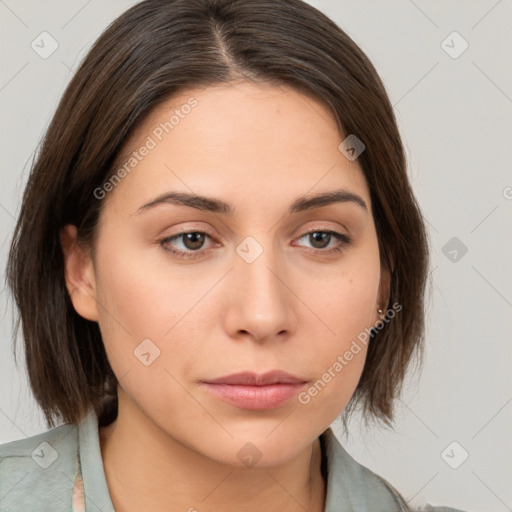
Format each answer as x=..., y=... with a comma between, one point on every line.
x=214, y=205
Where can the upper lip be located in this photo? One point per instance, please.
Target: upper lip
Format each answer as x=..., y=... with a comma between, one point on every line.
x=254, y=379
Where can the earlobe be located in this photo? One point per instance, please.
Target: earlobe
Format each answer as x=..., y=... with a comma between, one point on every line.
x=79, y=274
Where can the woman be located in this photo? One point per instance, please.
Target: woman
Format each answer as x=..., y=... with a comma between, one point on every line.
x=218, y=253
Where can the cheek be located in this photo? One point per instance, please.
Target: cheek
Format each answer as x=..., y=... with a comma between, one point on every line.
x=346, y=300
x=347, y=307
x=145, y=297
x=136, y=303
x=146, y=331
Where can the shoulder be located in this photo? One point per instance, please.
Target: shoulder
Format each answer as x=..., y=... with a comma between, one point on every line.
x=366, y=490
x=38, y=473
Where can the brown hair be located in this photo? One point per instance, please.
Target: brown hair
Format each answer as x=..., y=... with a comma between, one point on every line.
x=151, y=52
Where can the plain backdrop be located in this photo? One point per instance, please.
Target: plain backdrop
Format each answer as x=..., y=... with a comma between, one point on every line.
x=453, y=98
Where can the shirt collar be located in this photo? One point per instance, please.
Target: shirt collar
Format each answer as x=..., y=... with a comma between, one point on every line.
x=96, y=492
x=352, y=487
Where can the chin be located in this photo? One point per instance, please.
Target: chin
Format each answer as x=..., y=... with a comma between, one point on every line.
x=263, y=447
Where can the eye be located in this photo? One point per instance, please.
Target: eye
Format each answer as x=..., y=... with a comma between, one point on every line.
x=320, y=239
x=192, y=241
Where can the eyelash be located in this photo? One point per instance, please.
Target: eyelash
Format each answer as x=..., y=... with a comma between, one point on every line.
x=343, y=239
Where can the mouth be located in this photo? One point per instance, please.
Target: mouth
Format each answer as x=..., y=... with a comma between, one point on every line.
x=253, y=391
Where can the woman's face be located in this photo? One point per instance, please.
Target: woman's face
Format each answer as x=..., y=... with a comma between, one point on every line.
x=264, y=280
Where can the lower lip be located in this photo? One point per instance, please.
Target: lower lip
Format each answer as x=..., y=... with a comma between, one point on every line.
x=254, y=397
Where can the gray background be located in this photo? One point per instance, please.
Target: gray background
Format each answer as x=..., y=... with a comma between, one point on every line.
x=455, y=117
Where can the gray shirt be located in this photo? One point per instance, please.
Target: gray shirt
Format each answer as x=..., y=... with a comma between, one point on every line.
x=62, y=471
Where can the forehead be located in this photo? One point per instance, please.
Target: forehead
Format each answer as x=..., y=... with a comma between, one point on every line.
x=241, y=141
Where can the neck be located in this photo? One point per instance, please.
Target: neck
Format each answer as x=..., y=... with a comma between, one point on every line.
x=147, y=469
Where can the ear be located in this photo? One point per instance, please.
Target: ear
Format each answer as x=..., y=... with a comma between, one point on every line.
x=79, y=274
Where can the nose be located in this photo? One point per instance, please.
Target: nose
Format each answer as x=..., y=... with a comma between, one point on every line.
x=260, y=301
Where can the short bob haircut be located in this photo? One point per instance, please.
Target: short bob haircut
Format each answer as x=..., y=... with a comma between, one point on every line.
x=151, y=52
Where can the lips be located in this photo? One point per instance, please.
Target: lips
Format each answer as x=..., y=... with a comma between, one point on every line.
x=253, y=379
x=249, y=390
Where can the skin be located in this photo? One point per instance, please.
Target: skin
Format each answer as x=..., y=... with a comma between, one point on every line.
x=174, y=445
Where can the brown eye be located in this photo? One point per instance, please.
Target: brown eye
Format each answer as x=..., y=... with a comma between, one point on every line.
x=191, y=243
x=320, y=240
